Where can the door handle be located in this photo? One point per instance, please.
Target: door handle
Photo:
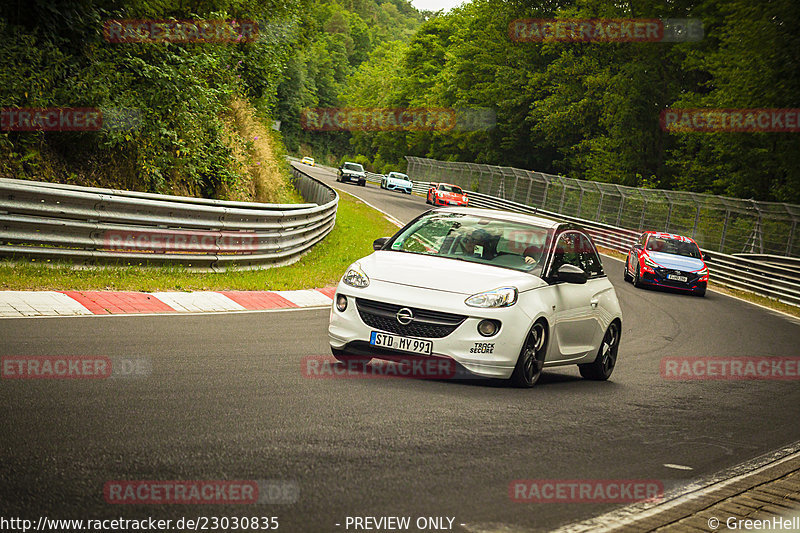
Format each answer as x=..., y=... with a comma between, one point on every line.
x=594, y=302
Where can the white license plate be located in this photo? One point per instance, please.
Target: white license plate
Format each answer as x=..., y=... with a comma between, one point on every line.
x=675, y=277
x=403, y=344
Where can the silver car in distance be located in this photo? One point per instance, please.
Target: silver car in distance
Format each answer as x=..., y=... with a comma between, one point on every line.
x=501, y=294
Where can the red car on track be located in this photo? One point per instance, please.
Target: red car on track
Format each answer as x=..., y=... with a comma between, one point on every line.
x=446, y=194
x=667, y=260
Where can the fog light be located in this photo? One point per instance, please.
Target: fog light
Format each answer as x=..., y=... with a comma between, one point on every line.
x=341, y=302
x=487, y=328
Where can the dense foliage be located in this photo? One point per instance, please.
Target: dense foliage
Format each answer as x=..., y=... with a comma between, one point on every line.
x=586, y=110
x=54, y=54
x=591, y=110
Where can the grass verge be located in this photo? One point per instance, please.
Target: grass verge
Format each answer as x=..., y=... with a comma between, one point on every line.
x=357, y=225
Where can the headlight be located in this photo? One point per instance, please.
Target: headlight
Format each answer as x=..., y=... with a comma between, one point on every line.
x=703, y=271
x=505, y=297
x=649, y=262
x=355, y=277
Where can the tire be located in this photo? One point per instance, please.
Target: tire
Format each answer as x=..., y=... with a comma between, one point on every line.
x=603, y=365
x=339, y=355
x=428, y=199
x=700, y=292
x=626, y=275
x=363, y=183
x=531, y=359
x=637, y=280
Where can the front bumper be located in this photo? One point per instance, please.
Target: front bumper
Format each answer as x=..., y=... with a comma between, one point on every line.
x=397, y=187
x=492, y=357
x=660, y=279
x=443, y=202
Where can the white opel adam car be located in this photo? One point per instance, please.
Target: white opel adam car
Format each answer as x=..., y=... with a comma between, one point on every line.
x=501, y=294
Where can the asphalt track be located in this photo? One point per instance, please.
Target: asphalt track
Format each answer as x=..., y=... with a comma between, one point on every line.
x=226, y=399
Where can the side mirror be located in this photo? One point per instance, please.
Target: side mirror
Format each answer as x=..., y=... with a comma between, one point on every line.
x=571, y=274
x=377, y=244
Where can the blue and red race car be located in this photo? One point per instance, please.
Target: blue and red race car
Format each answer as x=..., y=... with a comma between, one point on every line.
x=667, y=260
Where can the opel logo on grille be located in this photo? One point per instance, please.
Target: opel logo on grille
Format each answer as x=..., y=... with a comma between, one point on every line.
x=404, y=316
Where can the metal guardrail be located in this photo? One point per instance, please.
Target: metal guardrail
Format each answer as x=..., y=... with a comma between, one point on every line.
x=791, y=263
x=91, y=226
x=723, y=224
x=753, y=274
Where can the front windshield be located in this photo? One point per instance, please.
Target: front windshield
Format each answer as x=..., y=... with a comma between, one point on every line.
x=397, y=175
x=476, y=239
x=354, y=167
x=451, y=188
x=673, y=246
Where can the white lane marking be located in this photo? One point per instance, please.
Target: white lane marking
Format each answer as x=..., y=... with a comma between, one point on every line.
x=305, y=298
x=678, y=467
x=688, y=493
x=198, y=301
x=32, y=303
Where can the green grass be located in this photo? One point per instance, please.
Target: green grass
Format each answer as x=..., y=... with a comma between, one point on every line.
x=357, y=225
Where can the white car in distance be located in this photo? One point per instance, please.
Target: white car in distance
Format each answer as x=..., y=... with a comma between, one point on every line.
x=397, y=181
x=501, y=294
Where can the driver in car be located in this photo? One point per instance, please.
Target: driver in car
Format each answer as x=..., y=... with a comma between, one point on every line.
x=477, y=244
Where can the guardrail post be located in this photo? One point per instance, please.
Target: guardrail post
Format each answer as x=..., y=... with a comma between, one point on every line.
x=791, y=238
x=724, y=231
x=644, y=208
x=669, y=215
x=514, y=194
x=696, y=221
x=544, y=196
x=599, y=205
x=528, y=196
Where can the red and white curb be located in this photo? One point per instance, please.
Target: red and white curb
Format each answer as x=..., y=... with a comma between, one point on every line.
x=77, y=303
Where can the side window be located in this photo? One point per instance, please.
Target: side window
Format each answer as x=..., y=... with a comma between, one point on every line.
x=566, y=251
x=643, y=240
x=590, y=261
